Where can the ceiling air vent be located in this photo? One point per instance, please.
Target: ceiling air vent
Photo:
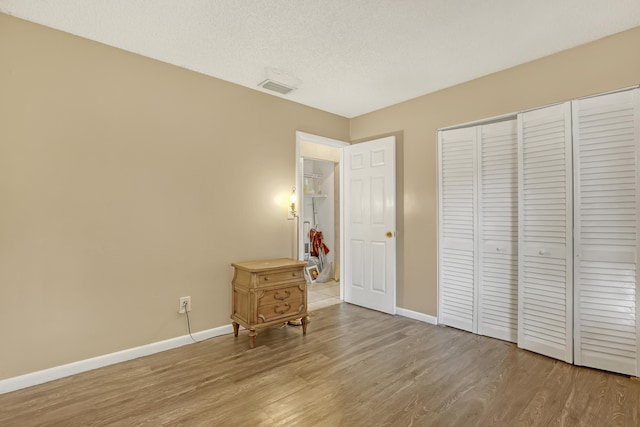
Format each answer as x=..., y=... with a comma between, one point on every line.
x=276, y=86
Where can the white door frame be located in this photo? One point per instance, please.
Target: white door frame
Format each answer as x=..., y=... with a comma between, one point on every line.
x=321, y=140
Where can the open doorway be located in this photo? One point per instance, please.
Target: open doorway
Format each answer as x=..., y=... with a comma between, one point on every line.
x=364, y=215
x=318, y=227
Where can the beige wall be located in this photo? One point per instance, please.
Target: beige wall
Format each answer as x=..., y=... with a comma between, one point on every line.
x=604, y=65
x=126, y=183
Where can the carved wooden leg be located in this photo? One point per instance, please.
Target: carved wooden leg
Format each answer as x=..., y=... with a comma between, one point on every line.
x=305, y=322
x=252, y=337
x=236, y=327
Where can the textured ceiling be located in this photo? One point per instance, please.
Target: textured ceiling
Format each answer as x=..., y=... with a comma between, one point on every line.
x=348, y=57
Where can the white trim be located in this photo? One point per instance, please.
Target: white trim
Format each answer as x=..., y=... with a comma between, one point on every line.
x=439, y=215
x=513, y=115
x=342, y=215
x=317, y=139
x=57, y=372
x=624, y=89
x=489, y=120
x=426, y=318
x=593, y=95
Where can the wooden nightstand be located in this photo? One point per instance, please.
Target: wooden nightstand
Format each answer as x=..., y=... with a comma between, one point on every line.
x=267, y=293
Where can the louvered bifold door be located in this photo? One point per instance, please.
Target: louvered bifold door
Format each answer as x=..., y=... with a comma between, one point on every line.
x=545, y=285
x=498, y=231
x=456, y=227
x=606, y=134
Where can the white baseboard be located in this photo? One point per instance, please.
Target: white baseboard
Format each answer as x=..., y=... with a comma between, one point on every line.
x=417, y=316
x=39, y=377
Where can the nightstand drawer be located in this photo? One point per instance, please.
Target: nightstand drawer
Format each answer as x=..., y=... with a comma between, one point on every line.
x=274, y=296
x=284, y=309
x=275, y=277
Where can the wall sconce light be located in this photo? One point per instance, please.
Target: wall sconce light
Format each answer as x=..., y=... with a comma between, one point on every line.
x=292, y=207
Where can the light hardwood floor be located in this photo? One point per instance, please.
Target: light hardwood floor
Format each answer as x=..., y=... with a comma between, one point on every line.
x=355, y=367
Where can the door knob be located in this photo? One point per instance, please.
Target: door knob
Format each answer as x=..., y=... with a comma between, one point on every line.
x=389, y=234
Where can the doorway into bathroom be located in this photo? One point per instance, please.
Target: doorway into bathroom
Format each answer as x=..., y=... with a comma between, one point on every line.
x=318, y=234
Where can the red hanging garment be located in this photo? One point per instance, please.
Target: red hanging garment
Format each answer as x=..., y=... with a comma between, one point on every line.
x=317, y=245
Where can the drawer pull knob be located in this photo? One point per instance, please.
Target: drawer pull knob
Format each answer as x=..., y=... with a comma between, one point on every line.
x=266, y=278
x=280, y=310
x=286, y=295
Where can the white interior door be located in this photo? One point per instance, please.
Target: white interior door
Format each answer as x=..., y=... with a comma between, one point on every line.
x=545, y=272
x=368, y=198
x=498, y=230
x=606, y=132
x=456, y=229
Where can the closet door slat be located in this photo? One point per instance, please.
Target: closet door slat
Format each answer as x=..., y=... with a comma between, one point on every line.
x=545, y=284
x=457, y=230
x=606, y=132
x=498, y=231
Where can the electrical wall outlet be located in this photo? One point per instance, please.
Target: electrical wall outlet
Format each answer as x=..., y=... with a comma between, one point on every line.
x=185, y=303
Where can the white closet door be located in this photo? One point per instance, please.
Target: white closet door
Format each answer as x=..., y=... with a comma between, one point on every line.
x=457, y=193
x=606, y=132
x=545, y=298
x=498, y=231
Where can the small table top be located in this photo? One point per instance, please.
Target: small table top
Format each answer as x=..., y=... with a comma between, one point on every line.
x=269, y=264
